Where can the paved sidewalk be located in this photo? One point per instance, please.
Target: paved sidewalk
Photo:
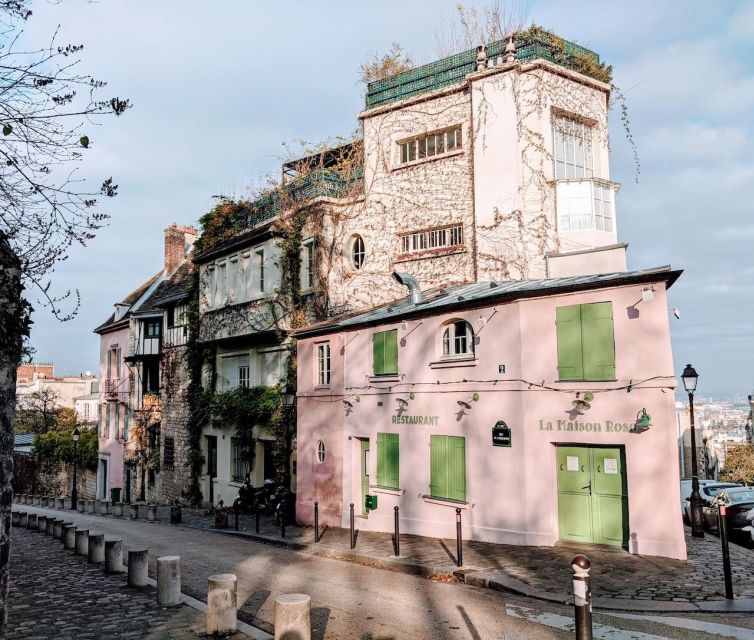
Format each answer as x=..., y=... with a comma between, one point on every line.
x=57, y=594
x=619, y=580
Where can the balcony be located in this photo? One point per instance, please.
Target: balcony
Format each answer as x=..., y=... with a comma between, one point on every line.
x=111, y=387
x=586, y=207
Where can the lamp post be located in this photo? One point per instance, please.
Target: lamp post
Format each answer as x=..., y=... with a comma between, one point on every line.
x=289, y=399
x=690, y=378
x=74, y=491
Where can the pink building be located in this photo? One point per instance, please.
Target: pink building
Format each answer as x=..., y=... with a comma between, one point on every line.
x=542, y=409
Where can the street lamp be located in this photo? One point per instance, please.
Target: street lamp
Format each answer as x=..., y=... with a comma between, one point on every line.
x=289, y=399
x=74, y=491
x=690, y=378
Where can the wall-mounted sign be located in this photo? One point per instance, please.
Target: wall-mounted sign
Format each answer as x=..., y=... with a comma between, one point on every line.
x=430, y=421
x=501, y=435
x=574, y=425
x=501, y=368
x=611, y=466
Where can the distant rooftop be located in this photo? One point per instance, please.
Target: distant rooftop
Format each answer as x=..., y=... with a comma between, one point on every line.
x=531, y=44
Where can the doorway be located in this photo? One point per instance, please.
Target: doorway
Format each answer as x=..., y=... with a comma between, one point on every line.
x=128, y=485
x=212, y=466
x=102, y=490
x=592, y=495
x=364, y=474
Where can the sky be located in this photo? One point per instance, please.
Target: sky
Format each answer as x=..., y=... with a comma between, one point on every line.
x=218, y=89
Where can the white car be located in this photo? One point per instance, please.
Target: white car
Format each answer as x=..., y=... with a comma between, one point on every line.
x=708, y=490
x=686, y=490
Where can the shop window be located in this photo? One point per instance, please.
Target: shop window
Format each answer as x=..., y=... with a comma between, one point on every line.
x=388, y=467
x=323, y=364
x=458, y=339
x=241, y=459
x=168, y=452
x=586, y=342
x=447, y=475
x=321, y=452
x=385, y=352
x=358, y=252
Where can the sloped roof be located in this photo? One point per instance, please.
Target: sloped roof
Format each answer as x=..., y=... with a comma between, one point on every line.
x=130, y=299
x=171, y=289
x=481, y=293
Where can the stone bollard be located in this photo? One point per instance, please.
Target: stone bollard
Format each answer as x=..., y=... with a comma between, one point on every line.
x=31, y=521
x=138, y=563
x=23, y=519
x=221, y=604
x=134, y=514
x=67, y=502
x=82, y=542
x=14, y=518
x=151, y=512
x=57, y=532
x=37, y=501
x=96, y=547
x=43, y=501
x=113, y=556
x=59, y=503
x=175, y=514
x=89, y=506
x=50, y=525
x=69, y=536
x=80, y=506
x=42, y=524
x=292, y=617
x=169, y=581
x=118, y=509
x=102, y=507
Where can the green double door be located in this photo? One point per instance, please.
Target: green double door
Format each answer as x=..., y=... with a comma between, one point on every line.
x=592, y=495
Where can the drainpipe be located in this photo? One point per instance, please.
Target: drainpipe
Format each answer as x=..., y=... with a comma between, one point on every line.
x=407, y=280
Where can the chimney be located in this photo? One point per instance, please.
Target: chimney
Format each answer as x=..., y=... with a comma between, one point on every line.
x=178, y=243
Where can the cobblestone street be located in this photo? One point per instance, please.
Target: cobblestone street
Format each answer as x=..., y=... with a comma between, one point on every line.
x=57, y=594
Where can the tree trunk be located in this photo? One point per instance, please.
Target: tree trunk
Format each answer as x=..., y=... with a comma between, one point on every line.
x=14, y=327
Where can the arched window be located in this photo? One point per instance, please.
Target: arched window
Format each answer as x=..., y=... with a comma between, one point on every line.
x=458, y=339
x=320, y=451
x=358, y=252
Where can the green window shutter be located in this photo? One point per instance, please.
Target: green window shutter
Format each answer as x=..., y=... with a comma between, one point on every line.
x=378, y=352
x=125, y=422
x=456, y=468
x=391, y=351
x=570, y=361
x=392, y=458
x=381, y=460
x=116, y=415
x=107, y=420
x=438, y=466
x=598, y=341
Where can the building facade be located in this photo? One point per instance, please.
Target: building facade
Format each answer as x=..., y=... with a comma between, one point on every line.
x=540, y=409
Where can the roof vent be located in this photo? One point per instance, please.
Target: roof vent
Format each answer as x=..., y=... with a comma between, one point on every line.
x=407, y=280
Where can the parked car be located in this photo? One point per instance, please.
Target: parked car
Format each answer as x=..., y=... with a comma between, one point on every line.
x=686, y=492
x=708, y=492
x=749, y=528
x=739, y=501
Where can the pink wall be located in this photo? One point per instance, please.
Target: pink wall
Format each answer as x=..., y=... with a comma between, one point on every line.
x=512, y=492
x=111, y=448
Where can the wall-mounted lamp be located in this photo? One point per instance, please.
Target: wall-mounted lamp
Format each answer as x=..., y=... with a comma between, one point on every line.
x=466, y=404
x=348, y=404
x=582, y=405
x=647, y=294
x=403, y=402
x=643, y=422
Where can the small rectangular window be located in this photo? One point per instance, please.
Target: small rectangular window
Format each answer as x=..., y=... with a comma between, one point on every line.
x=307, y=266
x=432, y=239
x=430, y=145
x=259, y=268
x=385, y=352
x=323, y=364
x=241, y=459
x=168, y=454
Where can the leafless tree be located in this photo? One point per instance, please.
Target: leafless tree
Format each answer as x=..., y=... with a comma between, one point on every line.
x=46, y=110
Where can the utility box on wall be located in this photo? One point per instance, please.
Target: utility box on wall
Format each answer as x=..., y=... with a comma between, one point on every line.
x=370, y=502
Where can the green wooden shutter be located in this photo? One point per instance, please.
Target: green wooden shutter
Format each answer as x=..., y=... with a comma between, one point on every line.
x=116, y=415
x=570, y=361
x=381, y=460
x=391, y=351
x=392, y=456
x=438, y=477
x=456, y=468
x=125, y=422
x=378, y=353
x=598, y=341
x=107, y=420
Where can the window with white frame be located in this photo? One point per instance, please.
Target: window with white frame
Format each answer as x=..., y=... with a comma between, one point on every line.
x=244, y=278
x=430, y=145
x=259, y=280
x=358, y=251
x=432, y=239
x=220, y=284
x=458, y=339
x=241, y=455
x=233, y=372
x=585, y=205
x=572, y=148
x=603, y=207
x=307, y=265
x=323, y=364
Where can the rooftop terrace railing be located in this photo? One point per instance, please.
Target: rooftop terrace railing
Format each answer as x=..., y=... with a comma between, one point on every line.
x=453, y=69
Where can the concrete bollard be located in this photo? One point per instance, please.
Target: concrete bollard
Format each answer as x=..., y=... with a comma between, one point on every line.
x=89, y=506
x=102, y=507
x=169, y=581
x=31, y=522
x=57, y=532
x=69, y=536
x=113, y=556
x=80, y=506
x=138, y=564
x=175, y=514
x=50, y=525
x=14, y=518
x=292, y=617
x=118, y=509
x=67, y=502
x=42, y=524
x=37, y=501
x=134, y=514
x=43, y=501
x=82, y=542
x=59, y=503
x=151, y=512
x=221, y=604
x=96, y=547
x=23, y=519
